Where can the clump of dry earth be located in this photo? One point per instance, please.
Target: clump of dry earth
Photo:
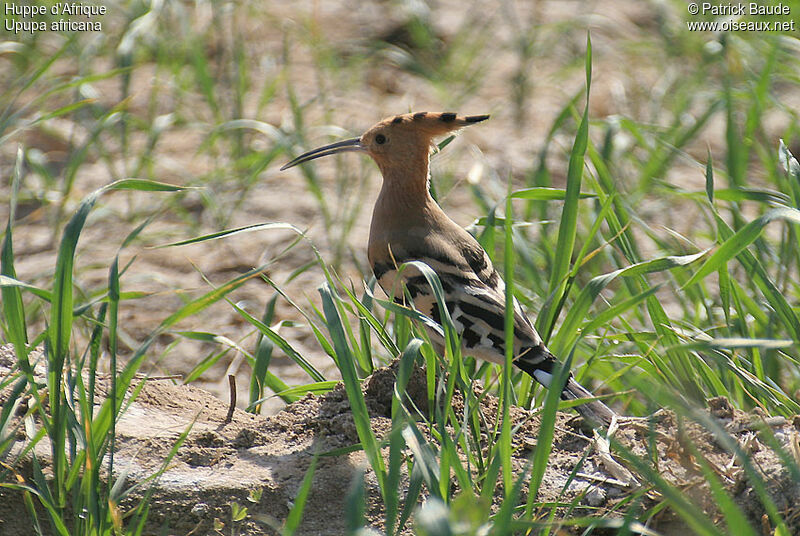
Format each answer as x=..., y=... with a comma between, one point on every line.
x=223, y=462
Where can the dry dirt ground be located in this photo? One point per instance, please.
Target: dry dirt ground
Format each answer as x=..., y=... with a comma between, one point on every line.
x=222, y=462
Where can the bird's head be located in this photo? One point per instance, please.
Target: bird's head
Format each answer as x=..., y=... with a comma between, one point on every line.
x=397, y=142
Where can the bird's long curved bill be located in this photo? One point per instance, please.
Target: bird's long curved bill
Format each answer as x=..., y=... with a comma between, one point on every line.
x=338, y=147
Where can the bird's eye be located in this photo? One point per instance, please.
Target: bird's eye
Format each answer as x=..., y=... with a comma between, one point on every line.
x=380, y=139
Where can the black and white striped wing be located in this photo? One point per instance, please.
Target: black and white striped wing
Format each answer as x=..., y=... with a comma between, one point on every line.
x=475, y=298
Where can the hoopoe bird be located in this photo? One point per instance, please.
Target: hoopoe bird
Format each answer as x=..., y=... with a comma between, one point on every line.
x=409, y=225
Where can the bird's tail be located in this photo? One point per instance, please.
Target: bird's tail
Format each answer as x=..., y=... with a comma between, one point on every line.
x=594, y=410
x=539, y=363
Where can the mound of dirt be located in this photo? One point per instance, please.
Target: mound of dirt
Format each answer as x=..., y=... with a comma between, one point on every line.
x=225, y=462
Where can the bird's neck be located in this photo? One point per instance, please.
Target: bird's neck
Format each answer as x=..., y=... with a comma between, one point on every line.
x=406, y=188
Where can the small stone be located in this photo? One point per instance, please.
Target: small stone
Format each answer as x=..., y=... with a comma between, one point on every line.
x=200, y=510
x=720, y=407
x=209, y=439
x=596, y=497
x=246, y=438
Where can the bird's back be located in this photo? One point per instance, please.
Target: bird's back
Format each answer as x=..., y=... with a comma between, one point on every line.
x=474, y=291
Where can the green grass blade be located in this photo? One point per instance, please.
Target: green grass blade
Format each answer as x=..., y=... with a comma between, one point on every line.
x=281, y=343
x=355, y=507
x=215, y=295
x=544, y=439
x=299, y=391
x=604, y=318
x=13, y=309
x=368, y=316
x=424, y=459
x=396, y=442
x=710, y=178
x=142, y=509
x=6, y=281
x=263, y=356
x=542, y=193
x=58, y=339
x=144, y=185
x=232, y=232
x=745, y=236
x=568, y=331
x=569, y=214
x=504, y=447
x=432, y=278
x=346, y=363
x=759, y=275
x=296, y=513
x=51, y=509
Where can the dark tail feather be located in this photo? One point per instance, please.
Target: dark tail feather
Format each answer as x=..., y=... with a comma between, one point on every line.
x=594, y=411
x=538, y=362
